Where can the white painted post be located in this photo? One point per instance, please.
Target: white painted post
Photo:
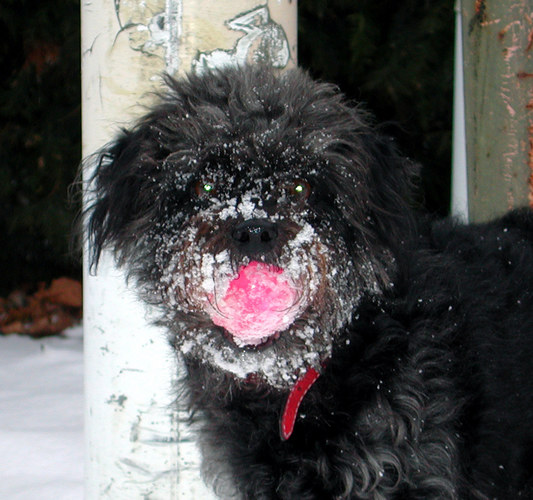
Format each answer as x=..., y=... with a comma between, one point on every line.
x=137, y=444
x=459, y=203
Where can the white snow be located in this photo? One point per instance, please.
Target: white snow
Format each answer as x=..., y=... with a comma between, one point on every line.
x=41, y=417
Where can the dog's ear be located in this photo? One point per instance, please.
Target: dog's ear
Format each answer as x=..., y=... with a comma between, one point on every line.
x=120, y=204
x=393, y=185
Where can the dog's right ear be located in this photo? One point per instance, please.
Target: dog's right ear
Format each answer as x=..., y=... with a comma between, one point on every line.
x=119, y=206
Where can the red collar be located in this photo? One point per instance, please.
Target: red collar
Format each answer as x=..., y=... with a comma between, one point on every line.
x=294, y=400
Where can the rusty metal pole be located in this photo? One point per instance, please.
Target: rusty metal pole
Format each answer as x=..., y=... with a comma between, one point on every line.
x=137, y=444
x=498, y=64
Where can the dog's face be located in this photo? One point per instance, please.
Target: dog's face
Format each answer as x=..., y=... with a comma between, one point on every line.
x=248, y=207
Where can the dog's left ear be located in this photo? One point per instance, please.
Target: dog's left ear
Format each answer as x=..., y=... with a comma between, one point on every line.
x=121, y=194
x=393, y=180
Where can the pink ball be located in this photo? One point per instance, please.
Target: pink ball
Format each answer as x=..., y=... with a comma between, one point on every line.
x=258, y=303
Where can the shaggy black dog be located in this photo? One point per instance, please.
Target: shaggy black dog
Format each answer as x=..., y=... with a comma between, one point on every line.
x=399, y=367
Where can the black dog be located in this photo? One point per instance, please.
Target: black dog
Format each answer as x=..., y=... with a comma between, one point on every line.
x=411, y=341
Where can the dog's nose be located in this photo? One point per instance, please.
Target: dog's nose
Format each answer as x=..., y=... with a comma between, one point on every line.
x=255, y=236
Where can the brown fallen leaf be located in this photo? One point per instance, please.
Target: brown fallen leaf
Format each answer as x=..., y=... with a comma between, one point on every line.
x=48, y=311
x=64, y=291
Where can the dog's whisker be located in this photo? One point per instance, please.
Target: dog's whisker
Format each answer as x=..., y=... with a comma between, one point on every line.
x=214, y=303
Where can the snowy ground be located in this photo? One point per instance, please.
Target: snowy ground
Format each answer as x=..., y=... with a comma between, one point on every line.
x=41, y=417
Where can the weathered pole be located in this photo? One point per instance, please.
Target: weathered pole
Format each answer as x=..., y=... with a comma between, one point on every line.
x=137, y=444
x=498, y=64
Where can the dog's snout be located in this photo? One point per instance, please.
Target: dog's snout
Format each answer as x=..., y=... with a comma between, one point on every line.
x=255, y=236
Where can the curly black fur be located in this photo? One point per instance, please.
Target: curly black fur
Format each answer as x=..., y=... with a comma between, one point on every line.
x=423, y=331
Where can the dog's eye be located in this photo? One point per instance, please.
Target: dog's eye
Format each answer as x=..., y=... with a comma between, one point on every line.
x=204, y=188
x=298, y=189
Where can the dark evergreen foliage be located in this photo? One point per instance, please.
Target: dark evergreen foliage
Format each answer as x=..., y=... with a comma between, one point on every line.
x=39, y=138
x=397, y=57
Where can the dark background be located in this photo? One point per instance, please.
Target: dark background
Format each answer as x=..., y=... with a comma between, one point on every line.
x=396, y=56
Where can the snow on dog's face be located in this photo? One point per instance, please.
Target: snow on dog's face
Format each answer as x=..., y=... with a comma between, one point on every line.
x=253, y=286
x=247, y=206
